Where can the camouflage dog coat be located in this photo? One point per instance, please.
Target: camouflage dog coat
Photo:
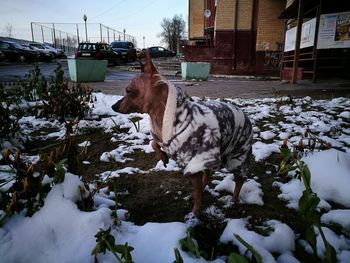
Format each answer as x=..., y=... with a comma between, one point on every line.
x=205, y=135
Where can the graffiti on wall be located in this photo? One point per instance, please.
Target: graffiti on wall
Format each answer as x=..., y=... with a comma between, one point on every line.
x=272, y=60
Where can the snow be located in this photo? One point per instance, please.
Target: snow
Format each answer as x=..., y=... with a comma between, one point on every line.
x=58, y=232
x=267, y=135
x=146, y=241
x=280, y=240
x=330, y=178
x=170, y=166
x=340, y=243
x=250, y=193
x=345, y=114
x=262, y=150
x=338, y=216
x=61, y=232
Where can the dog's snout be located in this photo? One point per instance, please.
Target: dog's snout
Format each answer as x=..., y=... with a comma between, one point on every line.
x=116, y=105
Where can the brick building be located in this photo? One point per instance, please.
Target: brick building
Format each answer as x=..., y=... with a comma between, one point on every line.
x=317, y=40
x=289, y=38
x=236, y=36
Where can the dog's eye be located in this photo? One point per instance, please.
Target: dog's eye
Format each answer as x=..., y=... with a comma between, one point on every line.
x=128, y=91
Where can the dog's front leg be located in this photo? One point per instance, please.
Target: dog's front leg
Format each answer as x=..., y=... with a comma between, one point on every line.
x=161, y=155
x=197, y=185
x=238, y=186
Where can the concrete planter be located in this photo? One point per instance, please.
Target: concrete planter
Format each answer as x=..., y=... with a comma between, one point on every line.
x=87, y=70
x=195, y=70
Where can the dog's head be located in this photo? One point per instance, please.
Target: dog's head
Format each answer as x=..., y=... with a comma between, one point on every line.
x=143, y=93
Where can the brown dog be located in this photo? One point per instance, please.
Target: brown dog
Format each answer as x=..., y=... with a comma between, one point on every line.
x=200, y=136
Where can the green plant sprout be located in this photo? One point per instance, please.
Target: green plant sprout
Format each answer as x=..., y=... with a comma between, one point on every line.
x=307, y=202
x=136, y=122
x=255, y=253
x=105, y=241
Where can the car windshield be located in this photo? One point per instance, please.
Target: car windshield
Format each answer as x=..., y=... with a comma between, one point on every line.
x=119, y=45
x=47, y=46
x=37, y=46
x=18, y=45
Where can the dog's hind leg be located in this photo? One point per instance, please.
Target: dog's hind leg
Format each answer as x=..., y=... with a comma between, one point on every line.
x=205, y=178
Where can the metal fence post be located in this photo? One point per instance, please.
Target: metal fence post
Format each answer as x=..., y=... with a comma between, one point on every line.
x=101, y=31
x=42, y=34
x=54, y=35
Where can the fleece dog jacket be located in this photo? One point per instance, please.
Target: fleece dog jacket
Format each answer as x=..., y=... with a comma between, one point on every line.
x=205, y=135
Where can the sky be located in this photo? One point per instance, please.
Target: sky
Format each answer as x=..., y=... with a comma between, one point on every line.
x=139, y=18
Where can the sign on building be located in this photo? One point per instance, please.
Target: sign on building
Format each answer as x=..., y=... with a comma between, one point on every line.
x=334, y=32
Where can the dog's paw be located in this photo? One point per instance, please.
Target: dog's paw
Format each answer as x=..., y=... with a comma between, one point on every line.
x=191, y=219
x=164, y=158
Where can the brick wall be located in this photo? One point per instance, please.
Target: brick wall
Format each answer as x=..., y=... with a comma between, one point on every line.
x=270, y=29
x=249, y=50
x=196, y=18
x=245, y=12
x=225, y=10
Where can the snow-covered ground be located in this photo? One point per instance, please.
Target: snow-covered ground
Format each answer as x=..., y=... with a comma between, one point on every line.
x=60, y=232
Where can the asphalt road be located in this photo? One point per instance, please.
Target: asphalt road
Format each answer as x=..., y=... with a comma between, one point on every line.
x=117, y=80
x=11, y=72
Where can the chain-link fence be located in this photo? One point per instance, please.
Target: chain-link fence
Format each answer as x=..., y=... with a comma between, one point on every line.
x=67, y=35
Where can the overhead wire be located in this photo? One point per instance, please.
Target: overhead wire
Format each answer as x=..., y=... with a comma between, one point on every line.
x=107, y=10
x=132, y=14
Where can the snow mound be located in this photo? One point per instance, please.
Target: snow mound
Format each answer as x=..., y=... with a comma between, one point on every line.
x=58, y=232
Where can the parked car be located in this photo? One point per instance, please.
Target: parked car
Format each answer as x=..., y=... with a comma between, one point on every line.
x=45, y=54
x=160, y=52
x=97, y=51
x=57, y=52
x=14, y=51
x=125, y=49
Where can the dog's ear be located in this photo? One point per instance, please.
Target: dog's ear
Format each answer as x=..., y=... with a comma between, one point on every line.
x=149, y=67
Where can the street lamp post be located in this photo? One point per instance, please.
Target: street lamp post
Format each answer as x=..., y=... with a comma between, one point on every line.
x=85, y=18
x=124, y=33
x=143, y=41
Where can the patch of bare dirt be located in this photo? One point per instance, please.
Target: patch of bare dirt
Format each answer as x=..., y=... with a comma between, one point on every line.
x=159, y=196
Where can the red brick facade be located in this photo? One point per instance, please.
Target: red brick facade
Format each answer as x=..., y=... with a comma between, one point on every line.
x=240, y=44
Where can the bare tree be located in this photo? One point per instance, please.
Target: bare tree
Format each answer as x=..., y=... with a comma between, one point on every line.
x=172, y=31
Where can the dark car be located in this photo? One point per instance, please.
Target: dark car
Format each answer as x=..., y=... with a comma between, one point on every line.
x=14, y=51
x=125, y=49
x=45, y=55
x=57, y=52
x=160, y=52
x=97, y=51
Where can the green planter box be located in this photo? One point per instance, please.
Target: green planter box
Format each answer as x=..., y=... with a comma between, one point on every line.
x=87, y=70
x=195, y=70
